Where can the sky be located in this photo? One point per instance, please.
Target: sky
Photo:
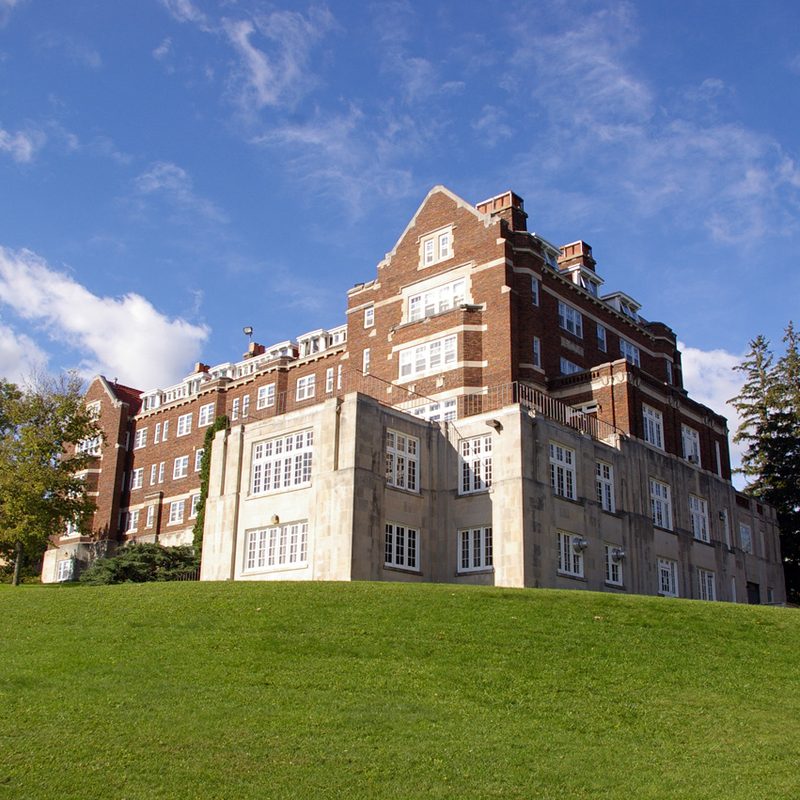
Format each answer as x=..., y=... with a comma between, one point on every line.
x=173, y=170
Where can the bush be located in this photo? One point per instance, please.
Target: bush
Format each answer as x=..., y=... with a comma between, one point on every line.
x=140, y=563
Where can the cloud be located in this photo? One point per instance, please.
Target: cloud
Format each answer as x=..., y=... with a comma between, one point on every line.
x=173, y=183
x=491, y=126
x=22, y=146
x=6, y=7
x=20, y=357
x=163, y=50
x=125, y=337
x=73, y=49
x=185, y=11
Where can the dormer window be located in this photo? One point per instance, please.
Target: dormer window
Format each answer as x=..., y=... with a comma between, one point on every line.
x=628, y=310
x=436, y=247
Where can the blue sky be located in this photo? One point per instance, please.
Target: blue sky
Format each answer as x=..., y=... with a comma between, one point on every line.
x=171, y=170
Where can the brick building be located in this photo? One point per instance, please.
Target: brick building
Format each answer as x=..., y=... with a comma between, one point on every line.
x=487, y=414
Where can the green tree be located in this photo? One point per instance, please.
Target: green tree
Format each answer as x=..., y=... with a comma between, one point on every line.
x=40, y=485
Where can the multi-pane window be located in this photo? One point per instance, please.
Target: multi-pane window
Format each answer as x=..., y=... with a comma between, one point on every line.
x=668, y=365
x=562, y=470
x=369, y=316
x=137, y=478
x=306, y=386
x=570, y=554
x=90, y=446
x=726, y=527
x=400, y=546
x=133, y=520
x=329, y=380
x=194, y=502
x=140, y=439
x=570, y=319
x=605, y=485
x=151, y=516
x=181, y=467
x=266, y=396
x=165, y=431
x=437, y=247
x=602, y=344
x=161, y=472
x=176, y=512
x=283, y=462
x=476, y=464
x=235, y=409
x=206, y=415
x=198, y=459
x=667, y=577
x=445, y=410
x=157, y=433
x=245, y=405
x=64, y=570
x=279, y=546
x=568, y=367
x=365, y=357
x=698, y=510
x=474, y=549
x=630, y=352
x=436, y=300
x=691, y=444
x=613, y=565
x=402, y=461
x=653, y=426
x=706, y=584
x=535, y=291
x=536, y=352
x=660, y=504
x=429, y=357
x=339, y=377
x=745, y=537
x=184, y=424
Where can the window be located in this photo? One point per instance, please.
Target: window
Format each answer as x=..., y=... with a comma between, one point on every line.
x=266, y=396
x=151, y=516
x=235, y=409
x=181, y=467
x=726, y=527
x=157, y=433
x=400, y=547
x=653, y=427
x=669, y=372
x=568, y=368
x=660, y=504
x=402, y=461
x=605, y=485
x=534, y=291
x=306, y=387
x=667, y=577
x=601, y=338
x=339, y=377
x=198, y=459
x=437, y=412
x=437, y=247
x=570, y=319
x=630, y=352
x=71, y=529
x=140, y=439
x=474, y=549
x=745, y=537
x=282, y=463
x=137, y=478
x=161, y=472
x=614, y=556
x=698, y=510
x=369, y=317
x=562, y=470
x=194, y=502
x=90, y=446
x=536, y=351
x=707, y=584
x=476, y=464
x=279, y=546
x=184, y=424
x=570, y=554
x=64, y=570
x=206, y=415
x=176, y=512
x=436, y=300
x=691, y=444
x=329, y=380
x=245, y=405
x=133, y=521
x=427, y=358
x=365, y=361
x=165, y=430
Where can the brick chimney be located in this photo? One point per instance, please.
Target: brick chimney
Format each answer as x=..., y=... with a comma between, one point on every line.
x=201, y=367
x=254, y=349
x=507, y=206
x=576, y=253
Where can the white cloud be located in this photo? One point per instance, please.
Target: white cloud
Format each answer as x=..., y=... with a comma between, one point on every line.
x=21, y=146
x=492, y=126
x=6, y=7
x=125, y=337
x=185, y=11
x=20, y=356
x=75, y=50
x=163, y=50
x=173, y=182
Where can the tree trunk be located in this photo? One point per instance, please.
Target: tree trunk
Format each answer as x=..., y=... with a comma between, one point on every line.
x=17, y=565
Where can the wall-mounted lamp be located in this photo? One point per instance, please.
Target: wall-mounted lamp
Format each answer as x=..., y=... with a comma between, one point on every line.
x=617, y=554
x=579, y=543
x=495, y=423
x=275, y=519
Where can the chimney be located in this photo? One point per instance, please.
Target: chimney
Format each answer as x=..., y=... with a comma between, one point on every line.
x=507, y=206
x=254, y=349
x=200, y=367
x=576, y=253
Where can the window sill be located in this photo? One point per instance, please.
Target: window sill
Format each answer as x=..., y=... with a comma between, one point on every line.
x=661, y=528
x=476, y=492
x=282, y=490
x=412, y=492
x=571, y=576
x=620, y=586
x=274, y=568
x=460, y=573
x=407, y=570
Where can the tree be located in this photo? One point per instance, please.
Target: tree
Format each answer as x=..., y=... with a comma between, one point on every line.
x=769, y=407
x=41, y=428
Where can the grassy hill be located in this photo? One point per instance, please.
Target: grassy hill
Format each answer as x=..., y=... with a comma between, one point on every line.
x=386, y=690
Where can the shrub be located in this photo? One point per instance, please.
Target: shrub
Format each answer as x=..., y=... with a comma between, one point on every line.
x=140, y=563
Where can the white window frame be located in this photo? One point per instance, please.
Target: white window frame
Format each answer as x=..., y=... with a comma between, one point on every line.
x=401, y=547
x=653, y=424
x=369, y=317
x=437, y=299
x=570, y=319
x=161, y=468
x=194, y=503
x=184, y=425
x=265, y=397
x=726, y=527
x=570, y=559
x=535, y=293
x=667, y=574
x=180, y=469
x=165, y=431
x=176, y=510
x=137, y=478
x=536, y=352
x=630, y=352
x=568, y=367
x=562, y=471
x=245, y=405
x=281, y=463
x=690, y=441
x=429, y=358
x=157, y=433
x=140, y=439
x=65, y=570
x=235, y=408
x=661, y=504
x=706, y=584
x=198, y=458
x=698, y=511
x=474, y=549
x=442, y=411
x=151, y=516
x=402, y=461
x=132, y=523
x=602, y=339
x=475, y=464
x=436, y=246
x=205, y=416
x=365, y=360
x=306, y=387
x=604, y=482
x=746, y=538
x=613, y=565
x=329, y=380
x=277, y=547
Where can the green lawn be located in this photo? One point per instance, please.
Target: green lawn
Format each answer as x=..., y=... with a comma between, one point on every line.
x=255, y=690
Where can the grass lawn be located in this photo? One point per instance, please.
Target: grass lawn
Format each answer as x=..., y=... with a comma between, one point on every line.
x=257, y=690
